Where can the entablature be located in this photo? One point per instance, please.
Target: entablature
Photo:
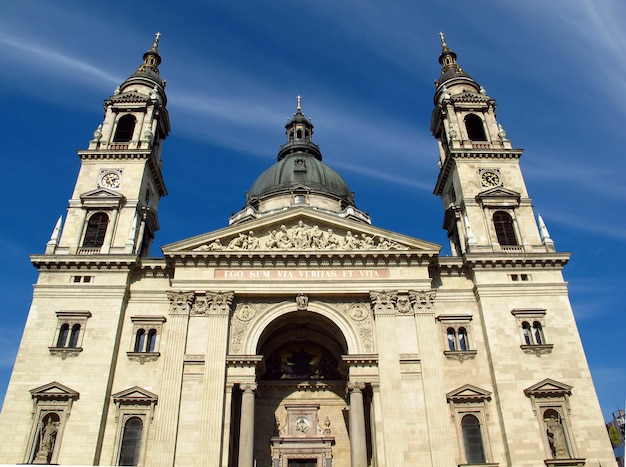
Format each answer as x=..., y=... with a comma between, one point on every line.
x=513, y=260
x=80, y=262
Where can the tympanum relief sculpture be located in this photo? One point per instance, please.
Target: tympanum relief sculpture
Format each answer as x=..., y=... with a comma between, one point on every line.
x=303, y=237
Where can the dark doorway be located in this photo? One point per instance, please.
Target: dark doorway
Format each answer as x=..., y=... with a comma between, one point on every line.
x=302, y=463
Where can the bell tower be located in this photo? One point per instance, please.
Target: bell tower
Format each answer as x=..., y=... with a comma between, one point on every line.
x=113, y=209
x=487, y=207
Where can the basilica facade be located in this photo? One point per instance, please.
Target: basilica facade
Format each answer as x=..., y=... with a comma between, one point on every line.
x=300, y=334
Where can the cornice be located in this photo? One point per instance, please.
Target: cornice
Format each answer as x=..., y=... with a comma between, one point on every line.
x=301, y=258
x=455, y=154
x=90, y=154
x=512, y=260
x=72, y=262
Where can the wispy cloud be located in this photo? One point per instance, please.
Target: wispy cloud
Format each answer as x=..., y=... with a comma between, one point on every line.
x=53, y=62
x=581, y=223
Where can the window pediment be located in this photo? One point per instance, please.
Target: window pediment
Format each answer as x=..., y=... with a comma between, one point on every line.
x=468, y=393
x=102, y=198
x=498, y=196
x=548, y=388
x=54, y=391
x=135, y=395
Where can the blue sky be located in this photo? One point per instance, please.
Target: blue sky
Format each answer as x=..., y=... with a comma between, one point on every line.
x=365, y=71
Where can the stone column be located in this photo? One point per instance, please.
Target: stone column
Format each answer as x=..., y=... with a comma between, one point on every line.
x=108, y=235
x=358, y=441
x=246, y=426
x=166, y=416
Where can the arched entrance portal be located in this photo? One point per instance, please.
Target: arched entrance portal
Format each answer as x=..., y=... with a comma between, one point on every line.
x=302, y=416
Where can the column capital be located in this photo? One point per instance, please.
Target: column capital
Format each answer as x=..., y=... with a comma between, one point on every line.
x=355, y=386
x=212, y=303
x=423, y=300
x=384, y=303
x=180, y=302
x=248, y=387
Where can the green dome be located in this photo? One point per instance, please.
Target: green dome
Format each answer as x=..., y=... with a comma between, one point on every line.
x=299, y=169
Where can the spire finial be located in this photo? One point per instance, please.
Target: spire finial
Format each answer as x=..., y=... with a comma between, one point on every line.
x=299, y=107
x=443, y=40
x=156, y=40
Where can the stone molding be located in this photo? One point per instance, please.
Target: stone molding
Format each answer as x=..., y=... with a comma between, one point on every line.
x=460, y=355
x=538, y=350
x=143, y=357
x=357, y=315
x=65, y=352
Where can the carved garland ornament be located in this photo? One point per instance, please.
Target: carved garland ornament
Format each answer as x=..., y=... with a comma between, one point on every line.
x=302, y=236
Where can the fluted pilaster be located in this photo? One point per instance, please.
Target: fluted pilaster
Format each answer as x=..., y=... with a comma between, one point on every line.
x=166, y=417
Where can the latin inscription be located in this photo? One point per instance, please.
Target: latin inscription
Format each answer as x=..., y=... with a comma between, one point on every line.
x=301, y=274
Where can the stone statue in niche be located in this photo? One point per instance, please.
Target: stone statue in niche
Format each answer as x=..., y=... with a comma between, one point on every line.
x=303, y=237
x=47, y=438
x=556, y=435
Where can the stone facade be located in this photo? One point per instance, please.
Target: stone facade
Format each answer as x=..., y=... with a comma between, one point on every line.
x=302, y=335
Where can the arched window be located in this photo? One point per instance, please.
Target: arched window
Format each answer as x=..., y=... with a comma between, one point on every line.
x=538, y=333
x=125, y=129
x=473, y=440
x=462, y=339
x=152, y=336
x=63, y=333
x=96, y=229
x=503, y=223
x=527, y=333
x=131, y=442
x=451, y=339
x=74, y=336
x=140, y=340
x=475, y=128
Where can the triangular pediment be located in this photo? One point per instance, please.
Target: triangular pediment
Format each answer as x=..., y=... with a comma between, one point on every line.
x=102, y=198
x=548, y=388
x=499, y=197
x=54, y=391
x=299, y=230
x=135, y=395
x=469, y=96
x=100, y=193
x=468, y=393
x=129, y=96
x=499, y=191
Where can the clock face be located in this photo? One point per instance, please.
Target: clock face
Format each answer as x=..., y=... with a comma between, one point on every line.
x=489, y=178
x=110, y=180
